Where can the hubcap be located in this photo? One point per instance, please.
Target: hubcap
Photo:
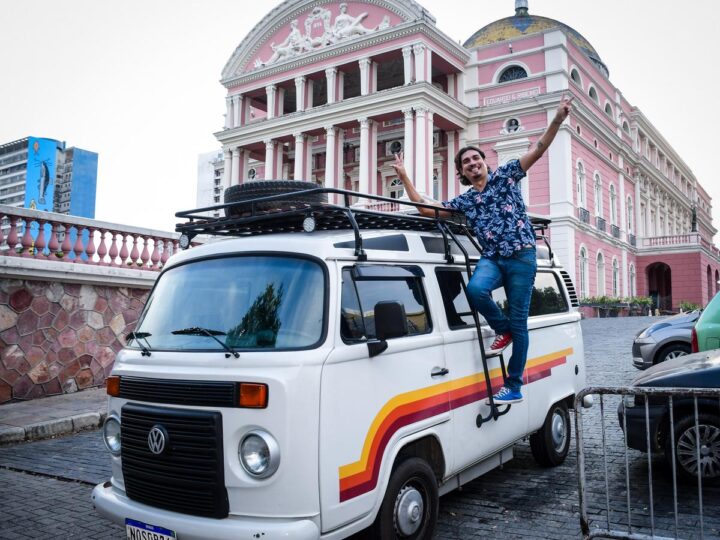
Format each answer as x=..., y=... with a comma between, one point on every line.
x=558, y=431
x=409, y=508
x=675, y=354
x=687, y=450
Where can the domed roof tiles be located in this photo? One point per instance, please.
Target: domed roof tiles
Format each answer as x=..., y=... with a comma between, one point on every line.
x=523, y=24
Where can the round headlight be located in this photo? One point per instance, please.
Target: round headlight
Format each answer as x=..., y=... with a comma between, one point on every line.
x=111, y=435
x=259, y=454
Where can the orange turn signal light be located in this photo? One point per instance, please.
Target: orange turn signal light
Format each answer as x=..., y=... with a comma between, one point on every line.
x=253, y=395
x=112, y=384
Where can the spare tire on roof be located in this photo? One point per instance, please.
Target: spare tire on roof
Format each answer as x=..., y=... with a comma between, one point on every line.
x=264, y=188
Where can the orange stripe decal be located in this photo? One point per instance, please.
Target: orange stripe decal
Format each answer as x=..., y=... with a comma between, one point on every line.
x=405, y=409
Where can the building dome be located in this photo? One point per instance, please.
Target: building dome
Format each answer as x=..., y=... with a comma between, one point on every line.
x=523, y=24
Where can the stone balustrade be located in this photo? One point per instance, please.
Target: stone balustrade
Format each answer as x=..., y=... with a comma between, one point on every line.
x=46, y=236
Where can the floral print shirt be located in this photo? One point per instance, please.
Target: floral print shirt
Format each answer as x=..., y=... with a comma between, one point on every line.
x=497, y=214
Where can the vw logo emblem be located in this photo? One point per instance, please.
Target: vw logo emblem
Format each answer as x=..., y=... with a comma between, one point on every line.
x=157, y=439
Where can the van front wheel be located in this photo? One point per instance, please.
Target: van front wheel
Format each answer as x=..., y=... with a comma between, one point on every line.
x=551, y=443
x=410, y=506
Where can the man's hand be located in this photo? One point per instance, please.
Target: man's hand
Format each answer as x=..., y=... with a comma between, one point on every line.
x=399, y=166
x=563, y=110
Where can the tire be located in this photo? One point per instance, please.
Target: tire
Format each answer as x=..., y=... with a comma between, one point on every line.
x=410, y=505
x=686, y=448
x=551, y=443
x=265, y=188
x=672, y=351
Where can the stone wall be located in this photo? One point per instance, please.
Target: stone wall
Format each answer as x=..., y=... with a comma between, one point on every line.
x=60, y=337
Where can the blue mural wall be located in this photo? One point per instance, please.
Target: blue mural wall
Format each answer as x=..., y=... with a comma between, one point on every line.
x=40, y=183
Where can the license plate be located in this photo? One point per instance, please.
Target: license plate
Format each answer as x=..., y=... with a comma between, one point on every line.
x=137, y=530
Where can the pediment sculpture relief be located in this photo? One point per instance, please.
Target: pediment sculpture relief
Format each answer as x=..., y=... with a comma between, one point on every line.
x=320, y=33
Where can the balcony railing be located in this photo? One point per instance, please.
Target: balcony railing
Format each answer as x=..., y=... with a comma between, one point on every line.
x=584, y=215
x=631, y=239
x=615, y=231
x=679, y=240
x=59, y=238
x=600, y=224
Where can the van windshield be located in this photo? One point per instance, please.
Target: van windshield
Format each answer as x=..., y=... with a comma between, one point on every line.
x=236, y=303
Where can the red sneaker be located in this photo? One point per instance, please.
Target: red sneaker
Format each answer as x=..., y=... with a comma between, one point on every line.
x=501, y=341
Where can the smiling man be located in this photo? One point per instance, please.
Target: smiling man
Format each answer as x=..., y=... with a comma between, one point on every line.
x=496, y=212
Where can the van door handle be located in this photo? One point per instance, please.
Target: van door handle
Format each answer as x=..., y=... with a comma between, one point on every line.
x=439, y=372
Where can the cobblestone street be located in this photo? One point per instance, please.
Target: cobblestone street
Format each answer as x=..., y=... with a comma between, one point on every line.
x=45, y=486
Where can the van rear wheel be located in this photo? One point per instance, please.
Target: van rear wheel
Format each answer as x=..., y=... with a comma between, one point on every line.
x=551, y=443
x=410, y=506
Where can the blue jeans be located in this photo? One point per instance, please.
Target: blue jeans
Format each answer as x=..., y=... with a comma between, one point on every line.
x=517, y=275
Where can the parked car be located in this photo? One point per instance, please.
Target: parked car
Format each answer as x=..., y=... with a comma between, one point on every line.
x=706, y=332
x=698, y=370
x=664, y=340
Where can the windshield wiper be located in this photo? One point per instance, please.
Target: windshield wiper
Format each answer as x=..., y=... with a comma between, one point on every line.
x=199, y=331
x=137, y=336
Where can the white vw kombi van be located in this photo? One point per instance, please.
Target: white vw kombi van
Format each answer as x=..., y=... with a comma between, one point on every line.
x=319, y=372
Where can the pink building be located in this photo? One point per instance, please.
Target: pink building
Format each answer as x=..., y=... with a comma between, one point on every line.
x=327, y=91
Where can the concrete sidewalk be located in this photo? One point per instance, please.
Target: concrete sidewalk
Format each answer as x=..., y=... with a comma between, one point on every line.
x=55, y=415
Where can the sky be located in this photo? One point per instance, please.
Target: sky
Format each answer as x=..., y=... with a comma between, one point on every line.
x=137, y=81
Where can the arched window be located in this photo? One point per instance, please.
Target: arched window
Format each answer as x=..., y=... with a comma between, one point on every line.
x=632, y=287
x=512, y=73
x=629, y=210
x=613, y=205
x=593, y=94
x=615, y=278
x=598, y=195
x=608, y=110
x=626, y=128
x=600, y=275
x=396, y=189
x=581, y=185
x=583, y=273
x=575, y=76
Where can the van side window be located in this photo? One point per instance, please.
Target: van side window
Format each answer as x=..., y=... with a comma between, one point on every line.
x=359, y=299
x=547, y=297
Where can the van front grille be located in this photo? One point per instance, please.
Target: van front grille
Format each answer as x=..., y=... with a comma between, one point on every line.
x=188, y=475
x=179, y=392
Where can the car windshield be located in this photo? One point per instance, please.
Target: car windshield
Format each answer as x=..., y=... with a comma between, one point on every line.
x=235, y=303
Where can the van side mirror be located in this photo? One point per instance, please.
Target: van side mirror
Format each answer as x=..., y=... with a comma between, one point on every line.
x=390, y=320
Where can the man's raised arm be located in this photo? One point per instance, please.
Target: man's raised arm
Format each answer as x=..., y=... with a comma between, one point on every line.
x=412, y=193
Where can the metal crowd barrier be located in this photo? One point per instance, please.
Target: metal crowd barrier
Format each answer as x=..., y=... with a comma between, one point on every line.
x=643, y=497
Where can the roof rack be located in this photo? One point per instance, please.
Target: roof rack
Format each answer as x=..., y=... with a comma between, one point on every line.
x=252, y=218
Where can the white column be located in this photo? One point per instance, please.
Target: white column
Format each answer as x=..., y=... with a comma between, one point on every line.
x=271, y=91
x=460, y=77
x=244, y=162
x=340, y=164
x=636, y=202
x=245, y=114
x=235, y=178
x=300, y=93
x=373, y=155
x=308, y=159
x=299, y=170
x=364, y=76
x=330, y=161
x=340, y=84
x=331, y=74
x=421, y=158
x=451, y=90
x=450, y=172
x=279, y=159
x=409, y=143
x=561, y=172
x=280, y=101
x=237, y=107
x=309, y=85
x=429, y=157
x=407, y=64
x=269, y=159
x=227, y=171
x=228, y=112
x=420, y=62
x=364, y=177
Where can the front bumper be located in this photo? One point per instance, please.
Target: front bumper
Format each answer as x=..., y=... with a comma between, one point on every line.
x=643, y=351
x=636, y=434
x=113, y=504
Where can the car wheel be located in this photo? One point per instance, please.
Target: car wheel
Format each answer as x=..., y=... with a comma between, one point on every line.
x=410, y=506
x=686, y=439
x=551, y=443
x=674, y=350
x=266, y=188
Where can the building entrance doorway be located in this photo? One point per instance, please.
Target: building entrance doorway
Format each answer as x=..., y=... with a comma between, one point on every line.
x=659, y=279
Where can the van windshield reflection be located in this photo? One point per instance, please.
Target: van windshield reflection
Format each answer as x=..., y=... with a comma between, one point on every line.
x=236, y=303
